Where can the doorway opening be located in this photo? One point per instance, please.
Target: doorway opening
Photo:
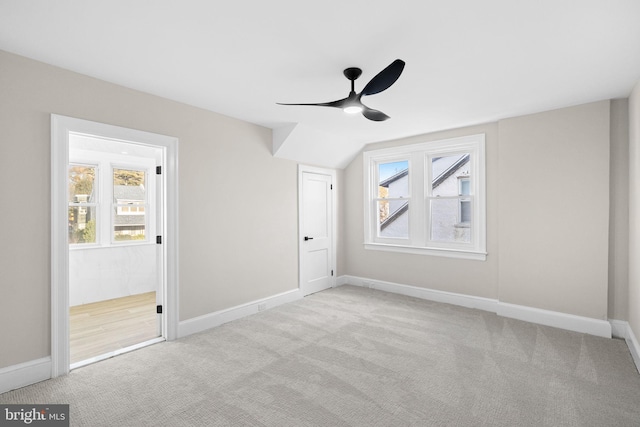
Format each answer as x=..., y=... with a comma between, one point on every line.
x=115, y=264
x=114, y=241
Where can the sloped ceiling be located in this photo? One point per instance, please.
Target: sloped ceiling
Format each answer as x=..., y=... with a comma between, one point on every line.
x=468, y=61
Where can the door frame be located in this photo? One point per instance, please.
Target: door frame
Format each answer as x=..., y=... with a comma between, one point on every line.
x=334, y=209
x=61, y=127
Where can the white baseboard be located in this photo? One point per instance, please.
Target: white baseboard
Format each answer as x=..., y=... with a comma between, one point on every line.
x=556, y=319
x=24, y=374
x=619, y=328
x=570, y=322
x=341, y=280
x=468, y=301
x=217, y=318
x=622, y=329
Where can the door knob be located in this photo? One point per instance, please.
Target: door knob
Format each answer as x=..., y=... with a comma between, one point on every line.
x=307, y=238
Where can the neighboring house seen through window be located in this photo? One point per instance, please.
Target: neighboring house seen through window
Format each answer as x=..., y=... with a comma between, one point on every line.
x=427, y=198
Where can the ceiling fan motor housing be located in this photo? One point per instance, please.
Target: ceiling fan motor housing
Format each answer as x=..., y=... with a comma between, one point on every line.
x=352, y=73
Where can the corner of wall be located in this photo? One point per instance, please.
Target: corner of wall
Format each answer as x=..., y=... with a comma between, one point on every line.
x=618, y=288
x=634, y=210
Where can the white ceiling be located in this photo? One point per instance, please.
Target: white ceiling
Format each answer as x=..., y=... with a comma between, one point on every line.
x=468, y=61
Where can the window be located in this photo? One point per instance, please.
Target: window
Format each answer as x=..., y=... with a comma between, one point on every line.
x=111, y=193
x=427, y=198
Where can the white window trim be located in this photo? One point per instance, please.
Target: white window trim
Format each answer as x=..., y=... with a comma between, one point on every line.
x=419, y=156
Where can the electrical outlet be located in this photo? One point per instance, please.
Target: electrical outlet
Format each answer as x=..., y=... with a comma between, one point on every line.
x=262, y=307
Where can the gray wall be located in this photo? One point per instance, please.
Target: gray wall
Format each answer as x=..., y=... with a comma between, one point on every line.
x=554, y=210
x=547, y=216
x=238, y=204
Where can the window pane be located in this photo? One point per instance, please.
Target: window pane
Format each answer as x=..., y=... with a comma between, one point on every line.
x=82, y=184
x=130, y=196
x=465, y=210
x=393, y=179
x=129, y=182
x=465, y=186
x=445, y=172
x=445, y=221
x=131, y=231
x=82, y=224
x=393, y=218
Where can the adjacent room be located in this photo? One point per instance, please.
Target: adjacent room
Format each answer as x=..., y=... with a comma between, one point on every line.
x=339, y=213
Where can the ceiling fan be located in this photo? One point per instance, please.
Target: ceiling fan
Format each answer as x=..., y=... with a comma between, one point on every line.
x=352, y=104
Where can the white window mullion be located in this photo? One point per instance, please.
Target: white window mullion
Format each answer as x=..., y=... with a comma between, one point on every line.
x=106, y=204
x=426, y=198
x=417, y=224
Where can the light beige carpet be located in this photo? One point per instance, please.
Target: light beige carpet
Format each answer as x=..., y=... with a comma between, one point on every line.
x=357, y=357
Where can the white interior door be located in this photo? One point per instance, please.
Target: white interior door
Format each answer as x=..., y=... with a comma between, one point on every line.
x=317, y=257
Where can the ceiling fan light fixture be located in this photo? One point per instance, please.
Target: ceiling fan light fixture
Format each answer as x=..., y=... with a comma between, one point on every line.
x=352, y=109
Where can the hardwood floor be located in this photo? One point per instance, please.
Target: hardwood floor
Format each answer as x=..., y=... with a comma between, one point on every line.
x=106, y=326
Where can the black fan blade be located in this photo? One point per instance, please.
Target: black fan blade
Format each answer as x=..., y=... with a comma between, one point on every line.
x=338, y=104
x=384, y=79
x=375, y=115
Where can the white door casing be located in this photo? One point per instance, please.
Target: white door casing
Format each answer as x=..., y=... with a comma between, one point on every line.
x=61, y=127
x=316, y=229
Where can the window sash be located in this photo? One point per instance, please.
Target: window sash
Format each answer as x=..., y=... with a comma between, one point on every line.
x=465, y=216
x=92, y=204
x=128, y=224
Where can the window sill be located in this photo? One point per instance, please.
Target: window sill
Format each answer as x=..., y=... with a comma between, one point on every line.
x=448, y=253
